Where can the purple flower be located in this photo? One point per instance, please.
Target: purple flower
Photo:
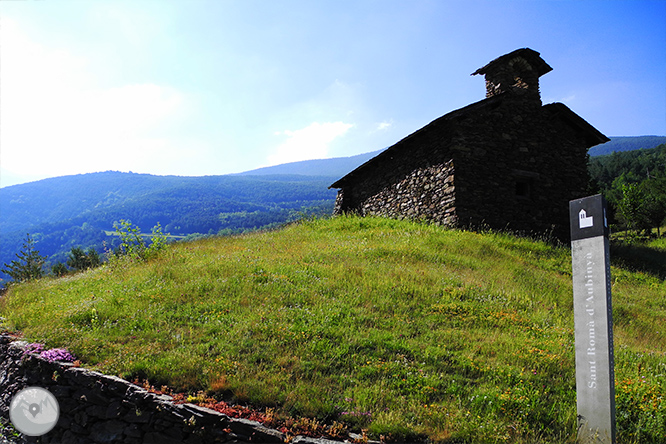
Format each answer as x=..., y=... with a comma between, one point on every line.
x=52, y=355
x=35, y=347
x=57, y=354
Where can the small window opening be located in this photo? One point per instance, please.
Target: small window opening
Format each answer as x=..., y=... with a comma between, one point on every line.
x=525, y=182
x=523, y=188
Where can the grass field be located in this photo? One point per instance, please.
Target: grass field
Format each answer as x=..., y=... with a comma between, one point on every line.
x=406, y=330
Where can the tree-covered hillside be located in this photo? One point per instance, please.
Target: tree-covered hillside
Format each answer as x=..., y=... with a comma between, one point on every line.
x=621, y=144
x=634, y=183
x=80, y=211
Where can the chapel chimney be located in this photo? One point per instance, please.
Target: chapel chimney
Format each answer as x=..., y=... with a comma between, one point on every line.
x=519, y=69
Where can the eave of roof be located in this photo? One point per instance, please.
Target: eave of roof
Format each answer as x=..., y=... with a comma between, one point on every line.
x=592, y=135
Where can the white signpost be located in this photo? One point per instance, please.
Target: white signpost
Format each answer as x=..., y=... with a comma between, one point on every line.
x=593, y=321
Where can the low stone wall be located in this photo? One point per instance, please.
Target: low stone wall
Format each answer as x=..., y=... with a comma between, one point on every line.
x=97, y=408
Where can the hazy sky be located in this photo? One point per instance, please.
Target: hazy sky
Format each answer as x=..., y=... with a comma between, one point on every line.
x=201, y=87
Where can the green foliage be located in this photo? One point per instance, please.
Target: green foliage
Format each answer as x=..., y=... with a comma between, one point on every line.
x=131, y=241
x=407, y=330
x=632, y=207
x=158, y=241
x=59, y=269
x=634, y=183
x=133, y=245
x=80, y=260
x=7, y=430
x=655, y=189
x=28, y=264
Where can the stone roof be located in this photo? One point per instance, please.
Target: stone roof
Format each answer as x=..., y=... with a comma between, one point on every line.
x=532, y=57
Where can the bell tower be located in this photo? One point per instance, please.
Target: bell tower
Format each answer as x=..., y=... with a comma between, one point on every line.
x=519, y=69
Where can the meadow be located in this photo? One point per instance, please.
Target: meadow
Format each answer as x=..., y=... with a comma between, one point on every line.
x=401, y=330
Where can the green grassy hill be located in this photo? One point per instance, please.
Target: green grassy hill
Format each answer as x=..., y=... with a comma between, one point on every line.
x=409, y=331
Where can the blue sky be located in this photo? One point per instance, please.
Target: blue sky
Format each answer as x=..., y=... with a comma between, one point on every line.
x=205, y=87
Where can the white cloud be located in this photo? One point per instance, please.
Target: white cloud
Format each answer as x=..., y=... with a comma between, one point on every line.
x=311, y=142
x=384, y=125
x=56, y=121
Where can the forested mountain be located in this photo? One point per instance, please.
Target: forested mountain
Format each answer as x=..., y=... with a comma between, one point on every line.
x=66, y=212
x=620, y=144
x=147, y=199
x=630, y=166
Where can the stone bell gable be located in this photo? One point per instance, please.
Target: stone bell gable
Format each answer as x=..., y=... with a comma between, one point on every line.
x=505, y=162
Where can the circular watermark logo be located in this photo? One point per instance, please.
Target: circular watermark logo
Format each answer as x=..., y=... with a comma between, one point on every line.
x=34, y=411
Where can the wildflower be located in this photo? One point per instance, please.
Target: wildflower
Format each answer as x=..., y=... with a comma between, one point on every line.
x=57, y=354
x=35, y=347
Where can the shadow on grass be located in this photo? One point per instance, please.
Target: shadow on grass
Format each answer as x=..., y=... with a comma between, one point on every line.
x=639, y=258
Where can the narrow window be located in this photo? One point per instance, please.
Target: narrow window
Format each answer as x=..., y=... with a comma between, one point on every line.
x=523, y=188
x=524, y=181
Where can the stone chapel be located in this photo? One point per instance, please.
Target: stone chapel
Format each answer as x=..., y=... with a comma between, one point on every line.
x=505, y=162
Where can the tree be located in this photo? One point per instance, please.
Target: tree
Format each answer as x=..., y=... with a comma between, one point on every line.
x=28, y=264
x=131, y=240
x=655, y=189
x=631, y=207
x=80, y=260
x=59, y=269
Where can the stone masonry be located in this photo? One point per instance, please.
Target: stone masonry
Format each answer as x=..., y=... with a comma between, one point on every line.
x=426, y=193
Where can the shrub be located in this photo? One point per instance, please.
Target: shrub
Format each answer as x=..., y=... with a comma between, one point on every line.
x=132, y=243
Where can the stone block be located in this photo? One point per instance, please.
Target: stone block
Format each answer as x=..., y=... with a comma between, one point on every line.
x=255, y=431
x=202, y=415
x=159, y=438
x=133, y=431
x=108, y=431
x=81, y=418
x=97, y=411
x=113, y=410
x=136, y=416
x=70, y=437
